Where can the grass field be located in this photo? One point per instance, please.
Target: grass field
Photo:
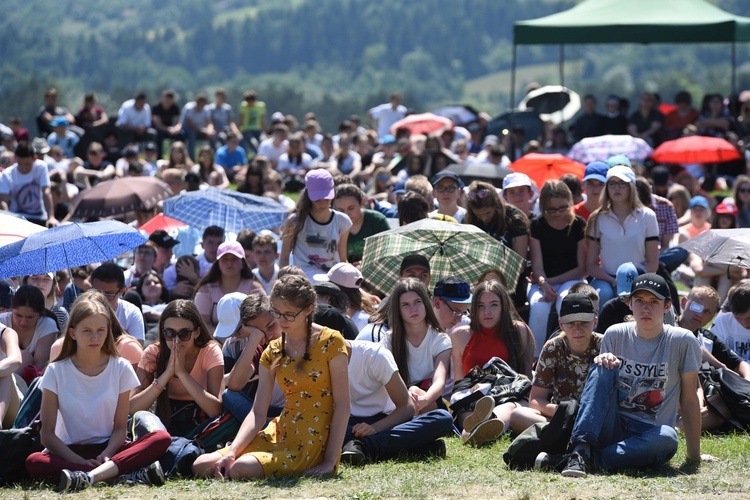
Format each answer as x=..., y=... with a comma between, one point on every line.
x=464, y=473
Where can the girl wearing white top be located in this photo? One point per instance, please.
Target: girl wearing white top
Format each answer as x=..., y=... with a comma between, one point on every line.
x=10, y=361
x=620, y=230
x=420, y=347
x=36, y=327
x=85, y=410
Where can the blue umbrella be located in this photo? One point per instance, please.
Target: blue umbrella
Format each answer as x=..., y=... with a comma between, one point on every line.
x=70, y=245
x=225, y=208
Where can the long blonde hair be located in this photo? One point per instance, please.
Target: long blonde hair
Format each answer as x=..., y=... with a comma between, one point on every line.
x=606, y=205
x=89, y=304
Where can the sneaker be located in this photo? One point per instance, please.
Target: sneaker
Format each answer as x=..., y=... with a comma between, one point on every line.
x=434, y=449
x=488, y=431
x=152, y=475
x=352, y=453
x=73, y=480
x=482, y=411
x=575, y=467
x=550, y=462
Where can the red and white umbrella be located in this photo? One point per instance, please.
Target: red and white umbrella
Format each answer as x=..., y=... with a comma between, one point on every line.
x=423, y=123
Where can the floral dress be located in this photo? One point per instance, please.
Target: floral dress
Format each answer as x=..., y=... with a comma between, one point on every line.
x=296, y=440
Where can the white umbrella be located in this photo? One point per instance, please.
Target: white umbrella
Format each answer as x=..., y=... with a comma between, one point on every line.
x=14, y=228
x=605, y=146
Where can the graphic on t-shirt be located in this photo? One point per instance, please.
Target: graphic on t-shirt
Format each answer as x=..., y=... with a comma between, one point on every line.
x=28, y=198
x=742, y=348
x=642, y=387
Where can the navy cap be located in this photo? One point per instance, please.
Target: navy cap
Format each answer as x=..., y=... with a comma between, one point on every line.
x=453, y=289
x=447, y=174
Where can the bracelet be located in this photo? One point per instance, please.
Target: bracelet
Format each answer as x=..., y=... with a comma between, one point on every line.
x=158, y=386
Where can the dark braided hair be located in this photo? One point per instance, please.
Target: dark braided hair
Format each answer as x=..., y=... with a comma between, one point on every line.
x=296, y=290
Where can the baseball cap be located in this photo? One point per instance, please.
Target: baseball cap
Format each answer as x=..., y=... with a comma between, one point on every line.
x=576, y=307
x=329, y=289
x=399, y=188
x=7, y=291
x=278, y=116
x=621, y=172
x=699, y=201
x=40, y=145
x=60, y=121
x=516, y=179
x=150, y=146
x=414, y=260
x=597, y=171
x=491, y=140
x=343, y=274
x=228, y=312
x=619, y=160
x=453, y=289
x=232, y=248
x=162, y=239
x=626, y=275
x=652, y=283
x=447, y=174
x=726, y=208
x=319, y=184
x=388, y=139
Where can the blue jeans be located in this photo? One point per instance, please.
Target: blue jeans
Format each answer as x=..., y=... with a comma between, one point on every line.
x=617, y=441
x=239, y=405
x=409, y=436
x=605, y=291
x=672, y=257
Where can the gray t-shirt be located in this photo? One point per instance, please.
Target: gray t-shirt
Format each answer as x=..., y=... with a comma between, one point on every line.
x=651, y=369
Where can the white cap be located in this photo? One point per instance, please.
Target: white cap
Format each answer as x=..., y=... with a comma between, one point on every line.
x=621, y=172
x=228, y=312
x=516, y=179
x=343, y=274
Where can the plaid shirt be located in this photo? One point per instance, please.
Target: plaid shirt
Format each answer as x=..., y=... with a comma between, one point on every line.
x=665, y=215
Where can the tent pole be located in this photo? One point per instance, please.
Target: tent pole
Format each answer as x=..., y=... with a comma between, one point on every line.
x=734, y=68
x=562, y=65
x=513, y=82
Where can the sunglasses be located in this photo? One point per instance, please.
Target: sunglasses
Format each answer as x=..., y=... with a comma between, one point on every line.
x=479, y=195
x=183, y=334
x=446, y=189
x=558, y=210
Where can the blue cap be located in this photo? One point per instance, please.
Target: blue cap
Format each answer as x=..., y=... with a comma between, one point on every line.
x=60, y=121
x=626, y=275
x=596, y=170
x=619, y=160
x=399, y=187
x=447, y=174
x=387, y=139
x=699, y=201
x=453, y=289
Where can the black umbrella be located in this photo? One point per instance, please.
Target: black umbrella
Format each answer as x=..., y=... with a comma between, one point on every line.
x=458, y=113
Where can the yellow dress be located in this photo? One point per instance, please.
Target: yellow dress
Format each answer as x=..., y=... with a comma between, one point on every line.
x=296, y=440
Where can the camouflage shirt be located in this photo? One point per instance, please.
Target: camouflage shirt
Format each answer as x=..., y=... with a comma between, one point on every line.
x=563, y=372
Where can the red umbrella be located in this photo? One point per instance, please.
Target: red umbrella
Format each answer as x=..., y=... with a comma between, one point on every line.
x=161, y=222
x=423, y=123
x=696, y=149
x=543, y=167
x=119, y=196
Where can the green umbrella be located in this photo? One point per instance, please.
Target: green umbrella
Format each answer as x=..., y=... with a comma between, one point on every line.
x=460, y=250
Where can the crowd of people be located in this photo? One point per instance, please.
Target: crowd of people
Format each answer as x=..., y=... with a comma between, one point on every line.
x=280, y=339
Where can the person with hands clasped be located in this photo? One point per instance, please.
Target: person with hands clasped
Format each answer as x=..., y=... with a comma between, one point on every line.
x=628, y=409
x=85, y=410
x=183, y=372
x=309, y=363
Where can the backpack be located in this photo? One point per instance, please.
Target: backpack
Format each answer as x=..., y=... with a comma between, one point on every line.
x=16, y=446
x=551, y=437
x=215, y=433
x=733, y=390
x=179, y=458
x=31, y=405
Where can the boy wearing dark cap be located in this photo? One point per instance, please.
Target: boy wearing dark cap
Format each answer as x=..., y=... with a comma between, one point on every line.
x=164, y=249
x=416, y=266
x=446, y=189
x=628, y=408
x=451, y=300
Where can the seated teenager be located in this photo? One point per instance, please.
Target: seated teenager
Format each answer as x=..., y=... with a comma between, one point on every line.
x=563, y=364
x=383, y=422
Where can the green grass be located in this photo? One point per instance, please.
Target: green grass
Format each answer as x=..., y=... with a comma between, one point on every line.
x=464, y=473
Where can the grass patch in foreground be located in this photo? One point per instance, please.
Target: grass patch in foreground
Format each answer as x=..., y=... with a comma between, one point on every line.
x=464, y=473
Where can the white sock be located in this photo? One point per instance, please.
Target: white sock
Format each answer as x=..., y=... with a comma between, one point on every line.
x=91, y=478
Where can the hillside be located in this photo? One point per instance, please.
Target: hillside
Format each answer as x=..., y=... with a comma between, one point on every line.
x=335, y=57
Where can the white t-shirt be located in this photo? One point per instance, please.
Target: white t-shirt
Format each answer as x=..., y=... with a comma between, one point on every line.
x=621, y=242
x=285, y=165
x=317, y=247
x=45, y=326
x=273, y=153
x=25, y=191
x=372, y=332
x=733, y=334
x=422, y=357
x=387, y=116
x=267, y=285
x=86, y=405
x=131, y=319
x=371, y=367
x=360, y=319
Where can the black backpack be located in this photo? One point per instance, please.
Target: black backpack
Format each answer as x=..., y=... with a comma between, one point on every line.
x=551, y=437
x=16, y=446
x=733, y=390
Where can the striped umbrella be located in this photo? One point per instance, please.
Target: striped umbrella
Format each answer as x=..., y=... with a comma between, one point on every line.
x=453, y=249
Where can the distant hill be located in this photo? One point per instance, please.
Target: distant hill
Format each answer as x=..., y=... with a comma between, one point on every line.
x=335, y=57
